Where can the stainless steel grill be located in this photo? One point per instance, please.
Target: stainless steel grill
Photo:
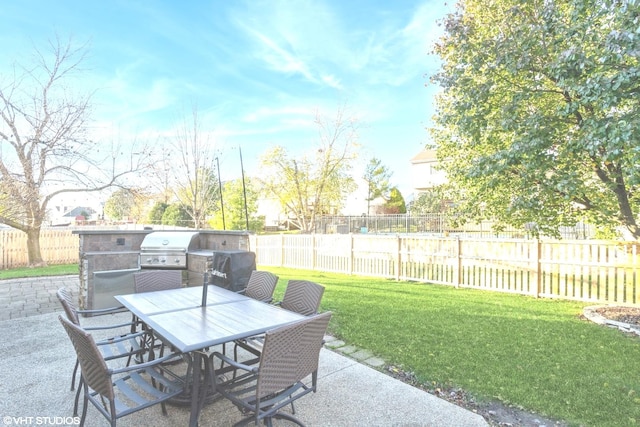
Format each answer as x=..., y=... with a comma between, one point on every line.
x=167, y=249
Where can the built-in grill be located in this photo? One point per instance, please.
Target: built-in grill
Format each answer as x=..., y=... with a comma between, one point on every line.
x=167, y=249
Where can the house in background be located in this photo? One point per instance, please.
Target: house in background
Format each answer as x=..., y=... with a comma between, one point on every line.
x=425, y=173
x=67, y=208
x=63, y=215
x=274, y=217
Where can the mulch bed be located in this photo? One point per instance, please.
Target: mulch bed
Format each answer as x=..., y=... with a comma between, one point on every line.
x=630, y=315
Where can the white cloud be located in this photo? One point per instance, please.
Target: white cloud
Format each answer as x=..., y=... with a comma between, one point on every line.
x=279, y=59
x=332, y=81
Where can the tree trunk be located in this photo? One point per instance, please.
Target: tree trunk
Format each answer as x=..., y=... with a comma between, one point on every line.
x=33, y=248
x=627, y=218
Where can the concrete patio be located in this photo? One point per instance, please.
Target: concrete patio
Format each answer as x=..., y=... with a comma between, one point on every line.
x=38, y=359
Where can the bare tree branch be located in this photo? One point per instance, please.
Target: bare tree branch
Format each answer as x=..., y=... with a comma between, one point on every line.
x=44, y=141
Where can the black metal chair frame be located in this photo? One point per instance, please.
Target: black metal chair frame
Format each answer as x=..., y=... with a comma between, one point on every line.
x=290, y=355
x=261, y=286
x=300, y=296
x=122, y=345
x=151, y=281
x=142, y=385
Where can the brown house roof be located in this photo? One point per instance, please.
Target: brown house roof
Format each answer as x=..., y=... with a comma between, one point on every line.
x=425, y=156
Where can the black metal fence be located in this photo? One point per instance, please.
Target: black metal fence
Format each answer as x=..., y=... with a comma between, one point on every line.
x=432, y=224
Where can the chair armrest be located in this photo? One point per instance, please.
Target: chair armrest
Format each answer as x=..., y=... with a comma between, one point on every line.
x=145, y=365
x=234, y=363
x=108, y=310
x=103, y=328
x=120, y=338
x=253, y=345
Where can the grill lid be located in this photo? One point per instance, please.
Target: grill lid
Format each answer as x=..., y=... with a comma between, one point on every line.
x=166, y=241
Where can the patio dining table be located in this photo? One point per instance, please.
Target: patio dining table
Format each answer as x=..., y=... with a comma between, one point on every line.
x=179, y=318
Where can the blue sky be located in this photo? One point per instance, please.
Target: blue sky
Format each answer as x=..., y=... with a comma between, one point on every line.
x=256, y=70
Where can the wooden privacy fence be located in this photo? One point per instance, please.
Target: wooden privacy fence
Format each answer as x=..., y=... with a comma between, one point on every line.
x=58, y=246
x=596, y=271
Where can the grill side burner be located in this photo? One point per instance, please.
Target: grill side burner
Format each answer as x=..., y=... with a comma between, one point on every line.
x=167, y=249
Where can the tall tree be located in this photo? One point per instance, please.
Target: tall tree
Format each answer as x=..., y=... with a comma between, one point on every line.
x=233, y=195
x=395, y=203
x=44, y=147
x=127, y=203
x=197, y=186
x=377, y=178
x=155, y=214
x=177, y=214
x=161, y=171
x=119, y=204
x=433, y=200
x=539, y=117
x=316, y=183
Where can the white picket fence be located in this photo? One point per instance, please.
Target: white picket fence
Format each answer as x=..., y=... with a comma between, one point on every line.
x=595, y=271
x=584, y=270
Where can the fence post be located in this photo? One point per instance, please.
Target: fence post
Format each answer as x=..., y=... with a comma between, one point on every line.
x=538, y=267
x=314, y=252
x=253, y=243
x=281, y=249
x=398, y=256
x=458, y=272
x=350, y=267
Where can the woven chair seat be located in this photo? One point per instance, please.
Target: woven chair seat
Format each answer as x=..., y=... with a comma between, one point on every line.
x=289, y=356
x=261, y=287
x=300, y=296
x=113, y=348
x=151, y=281
x=117, y=392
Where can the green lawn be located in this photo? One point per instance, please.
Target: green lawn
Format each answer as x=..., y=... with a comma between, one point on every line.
x=537, y=354
x=52, y=270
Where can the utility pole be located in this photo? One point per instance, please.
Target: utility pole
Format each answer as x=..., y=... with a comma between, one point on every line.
x=244, y=190
x=224, y=226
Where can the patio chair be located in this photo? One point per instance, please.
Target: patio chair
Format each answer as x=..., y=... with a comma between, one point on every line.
x=157, y=280
x=120, y=391
x=261, y=286
x=150, y=281
x=121, y=345
x=300, y=296
x=289, y=356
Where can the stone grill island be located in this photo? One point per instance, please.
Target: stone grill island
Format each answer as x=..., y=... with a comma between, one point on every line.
x=109, y=258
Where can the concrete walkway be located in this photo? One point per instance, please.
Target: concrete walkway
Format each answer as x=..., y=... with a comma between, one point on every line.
x=38, y=359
